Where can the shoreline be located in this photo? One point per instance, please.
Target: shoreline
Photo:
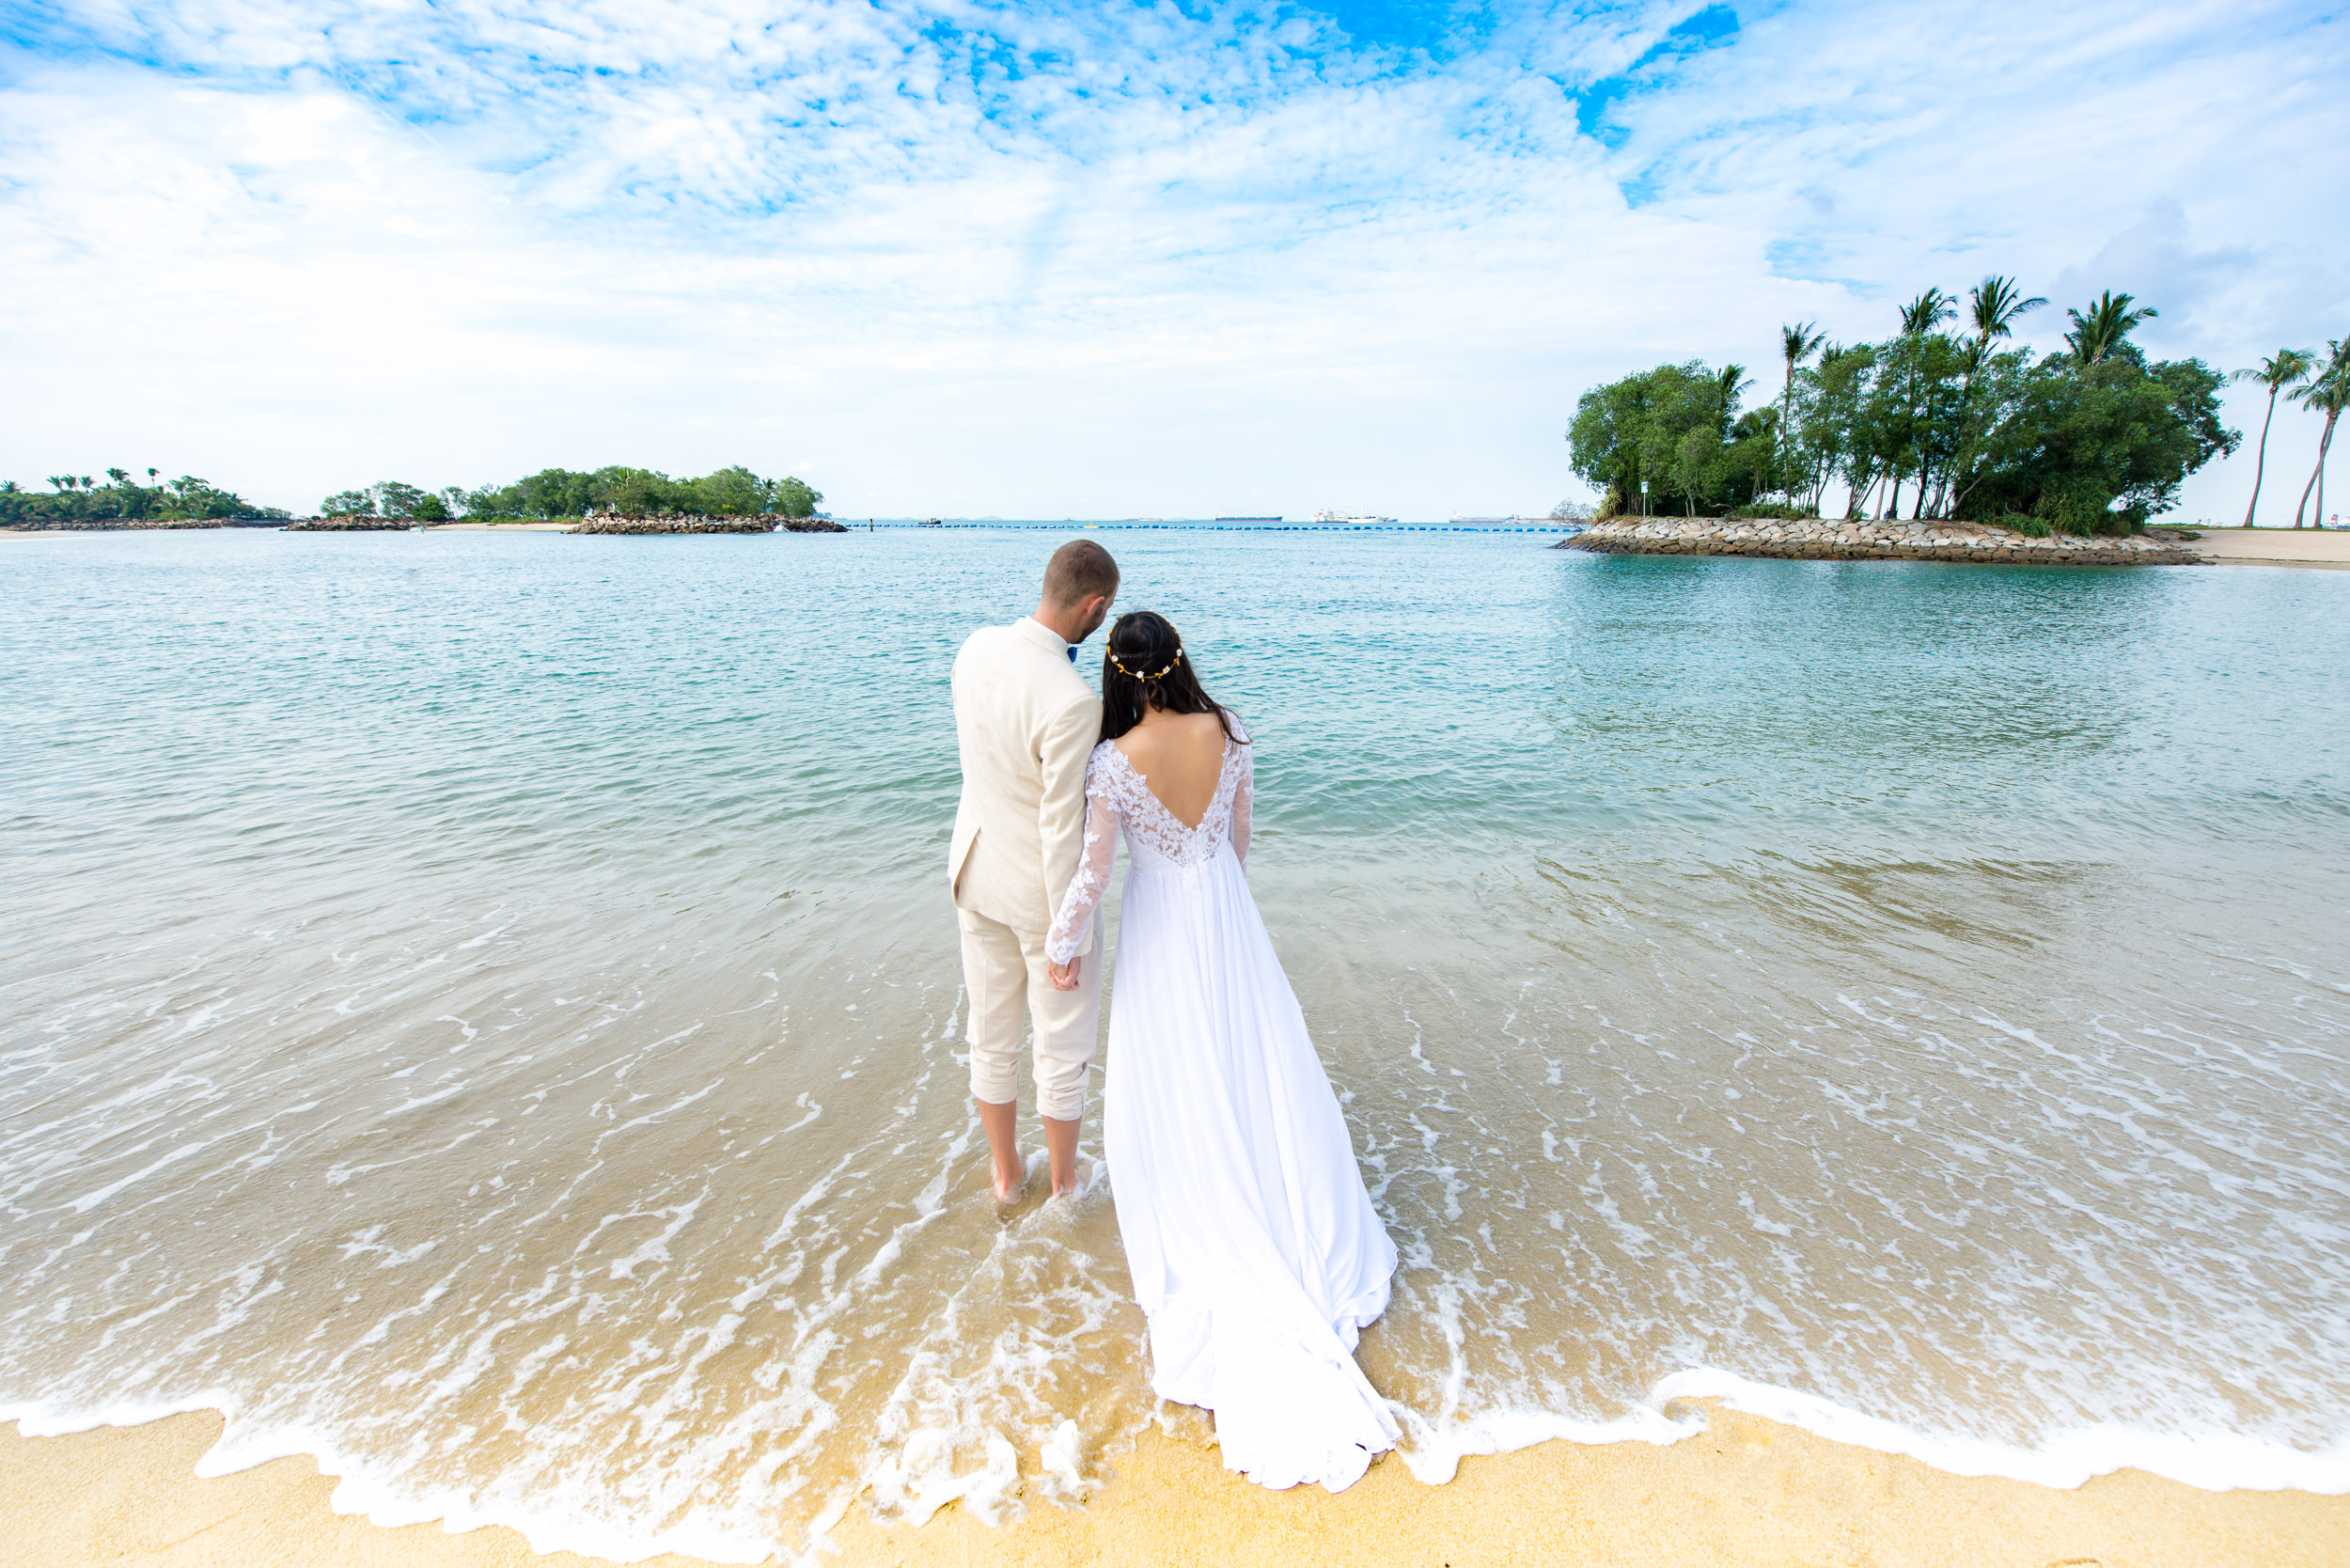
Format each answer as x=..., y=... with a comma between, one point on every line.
x=2322, y=549
x=1740, y=1490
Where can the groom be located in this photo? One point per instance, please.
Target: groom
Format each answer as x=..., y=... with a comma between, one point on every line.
x=1027, y=722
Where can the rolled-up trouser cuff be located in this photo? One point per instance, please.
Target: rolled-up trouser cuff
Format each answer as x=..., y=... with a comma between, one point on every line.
x=1004, y=976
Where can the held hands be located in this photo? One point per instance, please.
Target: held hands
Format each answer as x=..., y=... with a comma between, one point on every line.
x=1064, y=978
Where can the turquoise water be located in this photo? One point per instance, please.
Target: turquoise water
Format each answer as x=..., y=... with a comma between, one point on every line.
x=484, y=1009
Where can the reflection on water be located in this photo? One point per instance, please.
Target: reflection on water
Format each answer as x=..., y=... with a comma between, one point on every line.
x=485, y=1010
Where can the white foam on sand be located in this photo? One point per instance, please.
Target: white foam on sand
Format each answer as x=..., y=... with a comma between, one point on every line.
x=2213, y=1462
x=2216, y=1462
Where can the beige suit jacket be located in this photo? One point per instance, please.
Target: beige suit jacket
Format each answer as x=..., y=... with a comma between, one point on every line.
x=1027, y=722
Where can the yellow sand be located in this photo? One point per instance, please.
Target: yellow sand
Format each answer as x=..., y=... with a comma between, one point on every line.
x=2276, y=546
x=1745, y=1492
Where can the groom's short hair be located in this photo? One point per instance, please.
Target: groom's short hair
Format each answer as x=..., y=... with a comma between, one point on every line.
x=1078, y=571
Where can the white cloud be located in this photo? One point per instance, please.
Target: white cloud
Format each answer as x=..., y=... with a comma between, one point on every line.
x=1029, y=261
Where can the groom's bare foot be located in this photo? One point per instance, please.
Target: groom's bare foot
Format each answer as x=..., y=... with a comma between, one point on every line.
x=1060, y=1151
x=1010, y=1181
x=1003, y=1149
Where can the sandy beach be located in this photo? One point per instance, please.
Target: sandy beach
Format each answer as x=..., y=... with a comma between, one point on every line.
x=1743, y=1492
x=2318, y=547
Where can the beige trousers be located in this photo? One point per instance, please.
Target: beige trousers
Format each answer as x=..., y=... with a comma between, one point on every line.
x=1003, y=971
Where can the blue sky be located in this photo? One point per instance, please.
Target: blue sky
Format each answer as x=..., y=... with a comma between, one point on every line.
x=1094, y=259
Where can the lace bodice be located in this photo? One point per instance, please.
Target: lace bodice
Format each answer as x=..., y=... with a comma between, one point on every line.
x=1115, y=796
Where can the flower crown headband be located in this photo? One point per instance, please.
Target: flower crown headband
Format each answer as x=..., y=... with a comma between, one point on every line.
x=1151, y=675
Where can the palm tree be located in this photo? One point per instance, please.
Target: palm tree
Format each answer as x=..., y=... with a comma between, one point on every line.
x=1926, y=312
x=1997, y=303
x=1918, y=317
x=2327, y=394
x=2108, y=322
x=1796, y=343
x=2283, y=368
x=1731, y=382
x=120, y=476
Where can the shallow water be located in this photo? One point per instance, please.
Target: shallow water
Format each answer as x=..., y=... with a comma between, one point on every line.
x=484, y=1010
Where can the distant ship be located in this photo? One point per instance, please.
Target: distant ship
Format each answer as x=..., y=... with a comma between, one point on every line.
x=1501, y=522
x=1248, y=520
x=1333, y=517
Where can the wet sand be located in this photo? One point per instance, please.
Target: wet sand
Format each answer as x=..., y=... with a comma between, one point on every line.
x=1743, y=1492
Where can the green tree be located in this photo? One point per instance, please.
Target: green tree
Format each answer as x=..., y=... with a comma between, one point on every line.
x=1674, y=430
x=733, y=492
x=2100, y=446
x=1604, y=442
x=554, y=493
x=634, y=492
x=395, y=499
x=797, y=498
x=1682, y=434
x=2283, y=368
x=2105, y=326
x=1828, y=441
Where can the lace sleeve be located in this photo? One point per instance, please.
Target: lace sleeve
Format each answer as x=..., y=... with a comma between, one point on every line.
x=1244, y=793
x=1093, y=875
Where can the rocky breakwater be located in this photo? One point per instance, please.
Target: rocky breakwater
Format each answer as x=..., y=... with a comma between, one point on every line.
x=347, y=522
x=1816, y=539
x=614, y=524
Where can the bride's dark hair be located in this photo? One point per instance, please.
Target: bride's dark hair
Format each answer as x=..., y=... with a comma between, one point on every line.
x=1145, y=666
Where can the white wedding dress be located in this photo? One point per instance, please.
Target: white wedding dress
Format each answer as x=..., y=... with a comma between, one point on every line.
x=1255, y=1251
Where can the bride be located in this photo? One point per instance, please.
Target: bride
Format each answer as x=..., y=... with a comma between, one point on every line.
x=1254, y=1253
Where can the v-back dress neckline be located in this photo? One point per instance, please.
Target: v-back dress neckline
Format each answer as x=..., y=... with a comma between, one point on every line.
x=1223, y=776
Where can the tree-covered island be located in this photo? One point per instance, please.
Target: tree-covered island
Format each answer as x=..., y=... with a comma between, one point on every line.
x=553, y=492
x=2096, y=439
x=79, y=501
